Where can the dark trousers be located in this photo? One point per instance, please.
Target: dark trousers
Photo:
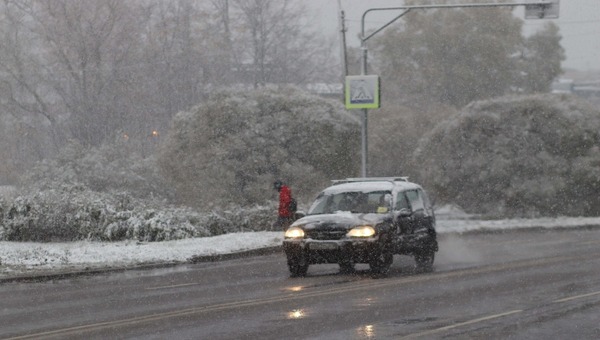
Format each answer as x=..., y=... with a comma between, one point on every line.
x=282, y=223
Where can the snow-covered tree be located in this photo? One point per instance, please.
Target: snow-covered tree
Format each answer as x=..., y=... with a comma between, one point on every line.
x=394, y=133
x=230, y=149
x=540, y=60
x=111, y=168
x=450, y=56
x=521, y=155
x=456, y=56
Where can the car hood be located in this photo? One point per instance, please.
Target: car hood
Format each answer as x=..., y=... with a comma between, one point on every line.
x=341, y=220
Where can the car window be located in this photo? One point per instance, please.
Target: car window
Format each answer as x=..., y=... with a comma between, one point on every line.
x=401, y=201
x=320, y=205
x=416, y=201
x=426, y=201
x=353, y=201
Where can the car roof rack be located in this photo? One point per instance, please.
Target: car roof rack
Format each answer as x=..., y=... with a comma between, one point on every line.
x=370, y=179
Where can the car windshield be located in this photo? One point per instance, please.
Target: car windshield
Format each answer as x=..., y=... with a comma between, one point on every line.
x=352, y=201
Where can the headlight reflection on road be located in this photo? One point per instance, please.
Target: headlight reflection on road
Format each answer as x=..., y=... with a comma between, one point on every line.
x=294, y=288
x=366, y=302
x=296, y=314
x=366, y=332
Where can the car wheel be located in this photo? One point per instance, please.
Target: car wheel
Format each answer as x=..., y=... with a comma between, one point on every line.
x=382, y=259
x=424, y=261
x=298, y=264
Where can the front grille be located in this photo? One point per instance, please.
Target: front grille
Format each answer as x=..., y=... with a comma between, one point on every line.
x=326, y=235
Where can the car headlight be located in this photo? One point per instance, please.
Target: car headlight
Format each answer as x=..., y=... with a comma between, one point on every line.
x=294, y=232
x=361, y=231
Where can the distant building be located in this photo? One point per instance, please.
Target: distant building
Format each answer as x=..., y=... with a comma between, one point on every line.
x=589, y=89
x=562, y=86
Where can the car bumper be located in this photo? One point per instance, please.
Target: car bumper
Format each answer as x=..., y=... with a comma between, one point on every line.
x=332, y=251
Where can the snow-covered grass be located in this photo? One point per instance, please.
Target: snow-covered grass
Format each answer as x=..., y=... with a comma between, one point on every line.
x=18, y=258
x=30, y=257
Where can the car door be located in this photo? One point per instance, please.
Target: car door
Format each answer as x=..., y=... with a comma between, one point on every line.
x=403, y=214
x=423, y=221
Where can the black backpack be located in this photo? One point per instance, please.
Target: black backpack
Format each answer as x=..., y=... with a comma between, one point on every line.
x=293, y=206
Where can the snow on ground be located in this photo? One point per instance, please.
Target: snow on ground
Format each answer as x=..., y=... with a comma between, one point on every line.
x=7, y=191
x=26, y=258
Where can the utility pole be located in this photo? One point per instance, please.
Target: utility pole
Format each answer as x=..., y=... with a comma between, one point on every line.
x=342, y=28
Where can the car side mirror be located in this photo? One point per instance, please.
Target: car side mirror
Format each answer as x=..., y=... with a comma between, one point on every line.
x=299, y=215
x=404, y=212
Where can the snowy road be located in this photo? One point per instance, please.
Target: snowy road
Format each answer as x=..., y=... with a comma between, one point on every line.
x=519, y=284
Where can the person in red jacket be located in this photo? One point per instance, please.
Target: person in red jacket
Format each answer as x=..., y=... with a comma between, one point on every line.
x=284, y=215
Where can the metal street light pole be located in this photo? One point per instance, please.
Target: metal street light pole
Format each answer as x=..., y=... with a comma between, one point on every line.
x=363, y=71
x=365, y=147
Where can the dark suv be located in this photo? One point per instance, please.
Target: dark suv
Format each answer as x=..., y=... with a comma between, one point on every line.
x=364, y=220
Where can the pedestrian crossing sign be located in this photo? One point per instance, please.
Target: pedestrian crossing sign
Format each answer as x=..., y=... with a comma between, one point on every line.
x=362, y=92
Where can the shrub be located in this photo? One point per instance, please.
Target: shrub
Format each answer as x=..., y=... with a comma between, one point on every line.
x=69, y=213
x=530, y=155
x=231, y=148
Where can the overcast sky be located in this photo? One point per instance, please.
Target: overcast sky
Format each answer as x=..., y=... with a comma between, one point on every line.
x=579, y=24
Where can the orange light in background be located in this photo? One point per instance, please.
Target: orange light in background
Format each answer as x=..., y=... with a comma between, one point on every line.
x=125, y=136
x=154, y=133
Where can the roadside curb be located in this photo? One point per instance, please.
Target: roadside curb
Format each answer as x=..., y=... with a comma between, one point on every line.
x=236, y=255
x=59, y=275
x=48, y=276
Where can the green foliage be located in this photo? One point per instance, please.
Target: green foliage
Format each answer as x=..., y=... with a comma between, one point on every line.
x=516, y=155
x=231, y=148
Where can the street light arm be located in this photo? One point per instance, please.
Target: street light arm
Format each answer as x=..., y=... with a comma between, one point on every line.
x=364, y=39
x=407, y=9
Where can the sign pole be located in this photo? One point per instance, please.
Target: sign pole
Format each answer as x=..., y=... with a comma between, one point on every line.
x=365, y=112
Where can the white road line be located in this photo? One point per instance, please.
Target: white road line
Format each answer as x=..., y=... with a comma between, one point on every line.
x=576, y=297
x=441, y=329
x=173, y=286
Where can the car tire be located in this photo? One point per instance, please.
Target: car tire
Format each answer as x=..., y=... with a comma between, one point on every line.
x=298, y=264
x=382, y=258
x=424, y=261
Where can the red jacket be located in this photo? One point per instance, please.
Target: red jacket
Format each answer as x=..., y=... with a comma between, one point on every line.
x=285, y=197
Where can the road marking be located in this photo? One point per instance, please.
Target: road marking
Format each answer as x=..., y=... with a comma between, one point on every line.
x=173, y=286
x=470, y=322
x=590, y=242
x=576, y=297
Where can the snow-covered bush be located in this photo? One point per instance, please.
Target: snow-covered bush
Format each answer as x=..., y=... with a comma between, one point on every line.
x=518, y=155
x=232, y=147
x=65, y=213
x=68, y=213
